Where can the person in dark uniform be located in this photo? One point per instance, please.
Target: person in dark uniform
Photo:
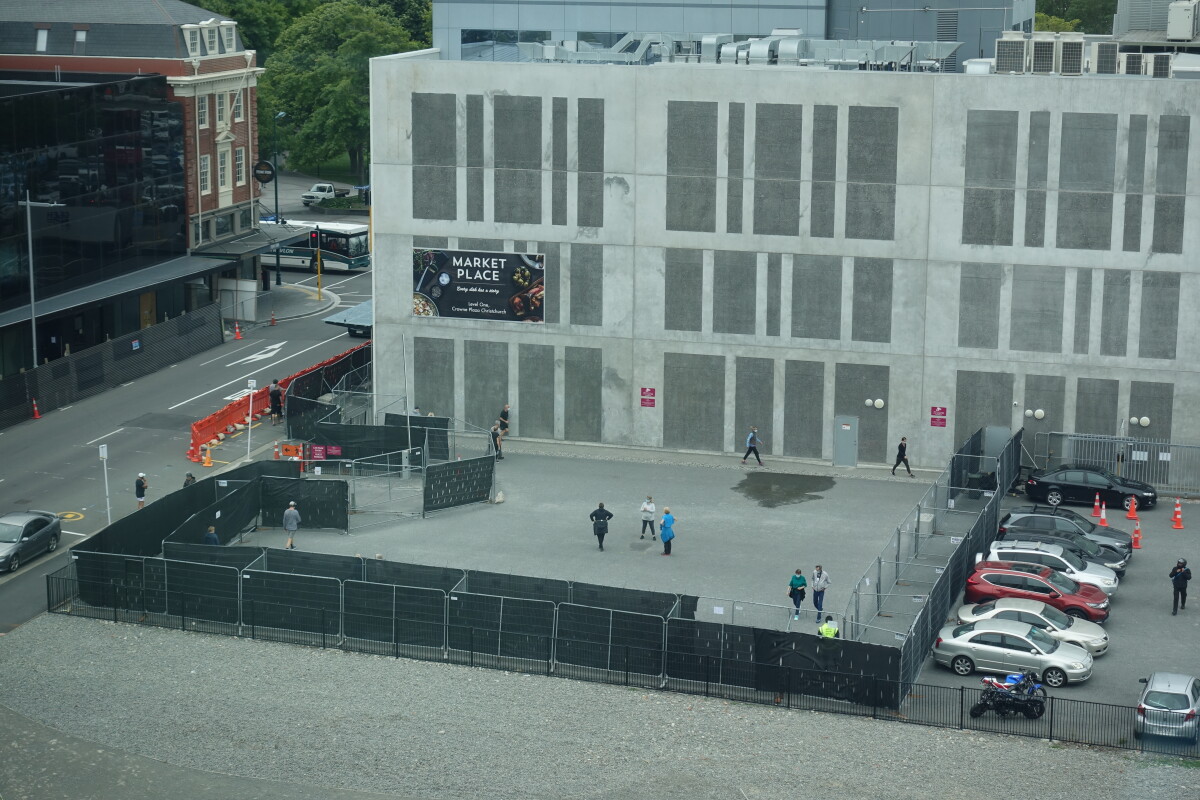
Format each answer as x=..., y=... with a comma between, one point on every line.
x=188, y=480
x=902, y=457
x=600, y=518
x=276, y=395
x=497, y=439
x=1179, y=575
x=504, y=420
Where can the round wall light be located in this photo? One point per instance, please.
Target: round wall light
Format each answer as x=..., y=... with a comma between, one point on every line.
x=879, y=403
x=1039, y=414
x=1028, y=412
x=1144, y=422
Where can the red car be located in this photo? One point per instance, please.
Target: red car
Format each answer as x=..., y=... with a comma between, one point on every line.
x=995, y=579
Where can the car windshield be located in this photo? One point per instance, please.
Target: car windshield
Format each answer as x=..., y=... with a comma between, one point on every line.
x=1057, y=618
x=1075, y=561
x=1042, y=640
x=1167, y=701
x=1084, y=544
x=984, y=608
x=10, y=534
x=963, y=630
x=1062, y=582
x=1086, y=525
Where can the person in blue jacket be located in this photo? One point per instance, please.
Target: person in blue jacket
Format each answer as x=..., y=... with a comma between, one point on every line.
x=667, y=530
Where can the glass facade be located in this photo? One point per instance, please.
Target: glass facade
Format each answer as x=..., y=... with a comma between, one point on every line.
x=102, y=162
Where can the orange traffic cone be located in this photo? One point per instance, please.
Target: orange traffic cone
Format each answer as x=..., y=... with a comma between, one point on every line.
x=1177, y=517
x=1137, y=535
x=207, y=457
x=277, y=451
x=237, y=331
x=36, y=415
x=1132, y=513
x=1103, y=523
x=1096, y=506
x=272, y=318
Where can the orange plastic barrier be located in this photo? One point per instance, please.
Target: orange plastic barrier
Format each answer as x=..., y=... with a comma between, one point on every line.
x=205, y=430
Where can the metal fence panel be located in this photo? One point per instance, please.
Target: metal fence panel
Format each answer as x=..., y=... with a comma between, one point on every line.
x=1172, y=468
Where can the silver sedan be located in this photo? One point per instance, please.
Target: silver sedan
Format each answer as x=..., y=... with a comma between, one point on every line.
x=1005, y=646
x=1064, y=628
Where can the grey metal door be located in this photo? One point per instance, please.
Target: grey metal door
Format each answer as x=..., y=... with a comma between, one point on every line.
x=845, y=441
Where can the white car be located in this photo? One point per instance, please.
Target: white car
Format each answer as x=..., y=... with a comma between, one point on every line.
x=1057, y=559
x=1064, y=628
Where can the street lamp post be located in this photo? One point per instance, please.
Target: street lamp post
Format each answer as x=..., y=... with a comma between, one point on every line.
x=275, y=163
x=29, y=205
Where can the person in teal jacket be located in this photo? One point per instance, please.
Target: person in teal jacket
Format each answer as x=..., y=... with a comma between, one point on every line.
x=667, y=530
x=796, y=590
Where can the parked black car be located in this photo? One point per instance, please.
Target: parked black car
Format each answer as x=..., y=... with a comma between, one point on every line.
x=1050, y=519
x=1077, y=543
x=1074, y=483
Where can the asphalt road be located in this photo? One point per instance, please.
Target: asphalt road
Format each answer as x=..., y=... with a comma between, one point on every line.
x=53, y=463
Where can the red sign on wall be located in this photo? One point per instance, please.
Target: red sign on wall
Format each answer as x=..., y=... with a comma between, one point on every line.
x=937, y=422
x=316, y=452
x=333, y=450
x=937, y=411
x=647, y=391
x=647, y=402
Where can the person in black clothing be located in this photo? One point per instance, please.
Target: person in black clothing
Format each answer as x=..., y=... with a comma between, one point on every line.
x=600, y=518
x=276, y=395
x=211, y=537
x=902, y=457
x=504, y=421
x=497, y=438
x=188, y=480
x=1179, y=575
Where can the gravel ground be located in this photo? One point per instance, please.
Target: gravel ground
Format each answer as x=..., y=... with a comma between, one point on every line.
x=429, y=730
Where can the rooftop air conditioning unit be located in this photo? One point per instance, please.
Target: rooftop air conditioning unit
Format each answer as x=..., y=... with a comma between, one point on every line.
x=1043, y=56
x=1010, y=56
x=1132, y=64
x=1183, y=21
x=1160, y=65
x=1104, y=58
x=1071, y=57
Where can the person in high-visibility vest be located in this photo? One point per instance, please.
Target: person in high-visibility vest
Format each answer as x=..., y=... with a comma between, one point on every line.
x=829, y=630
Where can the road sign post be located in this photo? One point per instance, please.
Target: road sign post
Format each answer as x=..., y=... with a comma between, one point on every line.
x=104, y=461
x=252, y=385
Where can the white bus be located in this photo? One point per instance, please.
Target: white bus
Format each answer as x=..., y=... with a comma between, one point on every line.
x=345, y=246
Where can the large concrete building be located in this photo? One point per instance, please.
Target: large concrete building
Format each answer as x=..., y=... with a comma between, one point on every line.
x=775, y=246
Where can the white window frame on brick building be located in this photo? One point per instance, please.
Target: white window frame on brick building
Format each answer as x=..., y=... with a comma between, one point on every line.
x=219, y=102
x=236, y=102
x=239, y=166
x=210, y=40
x=205, y=172
x=202, y=111
x=227, y=34
x=223, y=168
x=192, y=32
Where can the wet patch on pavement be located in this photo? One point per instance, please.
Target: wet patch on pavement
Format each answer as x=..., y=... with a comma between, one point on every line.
x=771, y=490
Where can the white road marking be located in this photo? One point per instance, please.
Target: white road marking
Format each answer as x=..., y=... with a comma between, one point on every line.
x=73, y=533
x=105, y=436
x=248, y=374
x=64, y=408
x=130, y=383
x=270, y=351
x=225, y=355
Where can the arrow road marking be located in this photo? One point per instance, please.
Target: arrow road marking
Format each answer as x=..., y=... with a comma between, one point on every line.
x=270, y=351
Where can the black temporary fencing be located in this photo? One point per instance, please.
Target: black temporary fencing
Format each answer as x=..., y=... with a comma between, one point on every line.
x=505, y=585
x=230, y=556
x=321, y=503
x=420, y=575
x=638, y=601
x=276, y=603
x=97, y=369
x=458, y=483
x=317, y=565
x=360, y=441
x=430, y=433
x=304, y=406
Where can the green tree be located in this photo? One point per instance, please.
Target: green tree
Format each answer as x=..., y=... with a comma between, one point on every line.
x=261, y=21
x=318, y=74
x=1095, y=16
x=415, y=15
x=1045, y=22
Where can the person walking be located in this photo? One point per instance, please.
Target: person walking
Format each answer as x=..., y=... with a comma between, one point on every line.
x=210, y=537
x=139, y=489
x=497, y=439
x=276, y=395
x=752, y=444
x=291, y=524
x=902, y=457
x=667, y=530
x=600, y=518
x=188, y=480
x=503, y=421
x=819, y=583
x=796, y=589
x=1179, y=575
x=648, y=510
x=829, y=630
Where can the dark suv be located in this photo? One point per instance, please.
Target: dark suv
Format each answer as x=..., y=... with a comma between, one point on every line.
x=1077, y=483
x=1076, y=543
x=1051, y=519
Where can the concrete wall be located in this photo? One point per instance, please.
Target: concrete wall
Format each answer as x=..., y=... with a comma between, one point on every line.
x=773, y=247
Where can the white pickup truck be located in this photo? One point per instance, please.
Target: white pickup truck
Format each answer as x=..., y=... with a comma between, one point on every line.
x=322, y=191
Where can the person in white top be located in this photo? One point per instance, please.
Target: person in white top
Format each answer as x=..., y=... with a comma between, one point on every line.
x=648, y=510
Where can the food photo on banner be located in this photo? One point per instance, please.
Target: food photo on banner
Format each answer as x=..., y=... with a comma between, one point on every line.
x=465, y=284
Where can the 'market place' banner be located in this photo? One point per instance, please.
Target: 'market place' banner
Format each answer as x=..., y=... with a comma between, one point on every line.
x=468, y=284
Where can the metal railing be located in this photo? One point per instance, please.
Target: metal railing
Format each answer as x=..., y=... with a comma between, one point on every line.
x=695, y=673
x=1172, y=468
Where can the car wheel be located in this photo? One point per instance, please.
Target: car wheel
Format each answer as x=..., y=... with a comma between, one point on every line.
x=1054, y=677
x=1054, y=497
x=1077, y=613
x=962, y=665
x=15, y=563
x=52, y=545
